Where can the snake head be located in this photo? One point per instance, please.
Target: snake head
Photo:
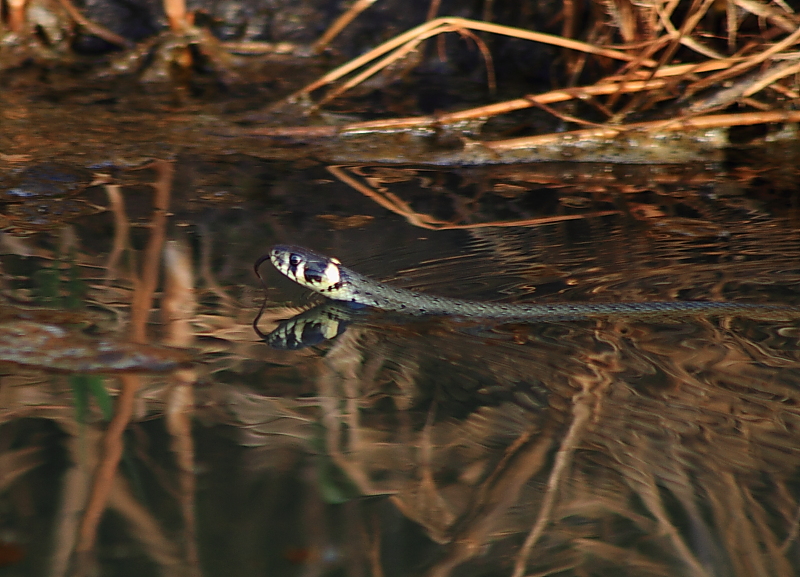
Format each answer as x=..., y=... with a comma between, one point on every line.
x=308, y=268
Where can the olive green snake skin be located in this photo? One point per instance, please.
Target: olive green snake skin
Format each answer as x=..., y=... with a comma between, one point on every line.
x=329, y=278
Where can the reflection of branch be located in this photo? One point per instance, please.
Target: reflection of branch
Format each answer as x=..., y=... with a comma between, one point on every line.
x=75, y=492
x=107, y=469
x=342, y=362
x=141, y=302
x=643, y=482
x=205, y=267
x=143, y=295
x=122, y=229
x=16, y=462
x=502, y=497
x=432, y=508
x=581, y=412
x=395, y=204
x=180, y=403
x=143, y=525
x=792, y=533
x=178, y=302
x=374, y=542
x=757, y=539
x=178, y=306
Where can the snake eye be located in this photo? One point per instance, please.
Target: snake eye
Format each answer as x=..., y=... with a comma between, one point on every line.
x=295, y=259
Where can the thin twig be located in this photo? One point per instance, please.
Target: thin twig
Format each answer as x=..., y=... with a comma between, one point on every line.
x=93, y=27
x=748, y=63
x=340, y=24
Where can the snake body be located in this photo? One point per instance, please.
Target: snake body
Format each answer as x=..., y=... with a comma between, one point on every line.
x=330, y=278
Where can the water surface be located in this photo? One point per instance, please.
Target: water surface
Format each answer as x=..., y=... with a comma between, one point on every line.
x=606, y=446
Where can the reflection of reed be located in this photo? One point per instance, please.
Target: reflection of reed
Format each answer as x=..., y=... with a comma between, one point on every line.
x=665, y=444
x=697, y=454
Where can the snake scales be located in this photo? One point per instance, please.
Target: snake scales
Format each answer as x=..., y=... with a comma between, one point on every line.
x=329, y=278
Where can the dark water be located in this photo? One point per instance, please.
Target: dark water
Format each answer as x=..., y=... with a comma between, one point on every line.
x=608, y=446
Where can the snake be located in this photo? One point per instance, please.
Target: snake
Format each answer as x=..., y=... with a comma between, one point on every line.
x=328, y=277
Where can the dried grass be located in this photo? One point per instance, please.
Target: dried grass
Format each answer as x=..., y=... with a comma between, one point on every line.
x=669, y=56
